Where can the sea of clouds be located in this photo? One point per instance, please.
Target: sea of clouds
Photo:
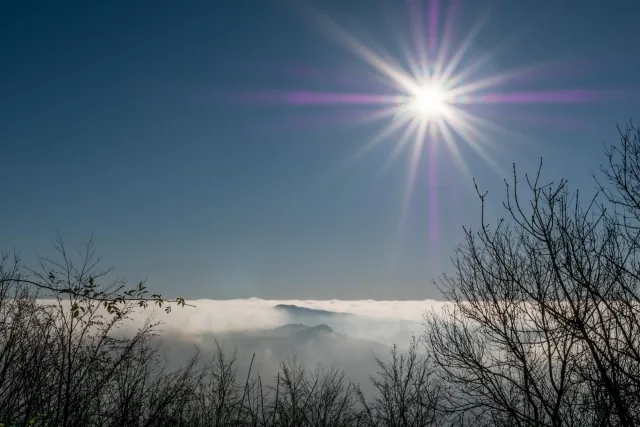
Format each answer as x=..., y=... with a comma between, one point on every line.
x=372, y=328
x=388, y=322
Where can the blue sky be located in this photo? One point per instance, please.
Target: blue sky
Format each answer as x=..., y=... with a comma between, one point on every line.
x=130, y=121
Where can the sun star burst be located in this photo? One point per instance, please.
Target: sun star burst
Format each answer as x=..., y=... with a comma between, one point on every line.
x=428, y=102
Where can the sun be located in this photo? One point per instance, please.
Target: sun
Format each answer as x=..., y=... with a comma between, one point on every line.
x=429, y=101
x=431, y=95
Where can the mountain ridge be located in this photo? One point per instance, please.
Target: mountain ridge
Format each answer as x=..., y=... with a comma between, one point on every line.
x=296, y=310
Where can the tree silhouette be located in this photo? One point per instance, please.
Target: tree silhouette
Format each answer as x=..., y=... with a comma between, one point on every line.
x=544, y=329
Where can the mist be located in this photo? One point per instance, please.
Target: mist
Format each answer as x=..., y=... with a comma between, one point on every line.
x=388, y=322
x=265, y=333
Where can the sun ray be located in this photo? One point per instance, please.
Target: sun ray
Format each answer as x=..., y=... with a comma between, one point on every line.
x=417, y=33
x=459, y=92
x=475, y=139
x=456, y=59
x=400, y=145
x=382, y=114
x=396, y=74
x=449, y=139
x=388, y=130
x=432, y=189
x=455, y=79
x=434, y=7
x=489, y=126
x=444, y=46
x=416, y=69
x=414, y=160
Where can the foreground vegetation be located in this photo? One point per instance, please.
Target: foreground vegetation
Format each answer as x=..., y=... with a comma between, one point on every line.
x=68, y=364
x=544, y=330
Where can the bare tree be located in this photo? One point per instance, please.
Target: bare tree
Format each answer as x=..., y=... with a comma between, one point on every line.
x=59, y=357
x=407, y=392
x=545, y=326
x=64, y=277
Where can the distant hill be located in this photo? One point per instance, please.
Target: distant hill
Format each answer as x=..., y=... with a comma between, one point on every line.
x=382, y=330
x=298, y=330
x=294, y=336
x=310, y=345
x=294, y=310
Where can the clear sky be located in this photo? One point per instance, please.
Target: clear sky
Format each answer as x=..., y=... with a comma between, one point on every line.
x=178, y=133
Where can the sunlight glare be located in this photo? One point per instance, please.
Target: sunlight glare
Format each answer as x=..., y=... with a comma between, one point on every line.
x=429, y=101
x=438, y=93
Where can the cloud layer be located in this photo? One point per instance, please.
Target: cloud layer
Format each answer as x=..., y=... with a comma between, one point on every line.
x=245, y=327
x=383, y=321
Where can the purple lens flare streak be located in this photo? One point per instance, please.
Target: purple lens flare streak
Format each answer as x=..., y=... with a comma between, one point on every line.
x=434, y=6
x=314, y=98
x=444, y=45
x=328, y=121
x=432, y=188
x=417, y=33
x=318, y=76
x=571, y=96
x=455, y=200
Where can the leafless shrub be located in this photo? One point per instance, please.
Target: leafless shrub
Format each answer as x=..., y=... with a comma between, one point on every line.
x=545, y=326
x=66, y=363
x=408, y=393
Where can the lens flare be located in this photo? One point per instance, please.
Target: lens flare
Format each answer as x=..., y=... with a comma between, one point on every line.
x=431, y=101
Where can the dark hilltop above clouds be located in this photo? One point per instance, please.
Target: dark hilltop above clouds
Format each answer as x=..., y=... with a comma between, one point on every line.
x=294, y=310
